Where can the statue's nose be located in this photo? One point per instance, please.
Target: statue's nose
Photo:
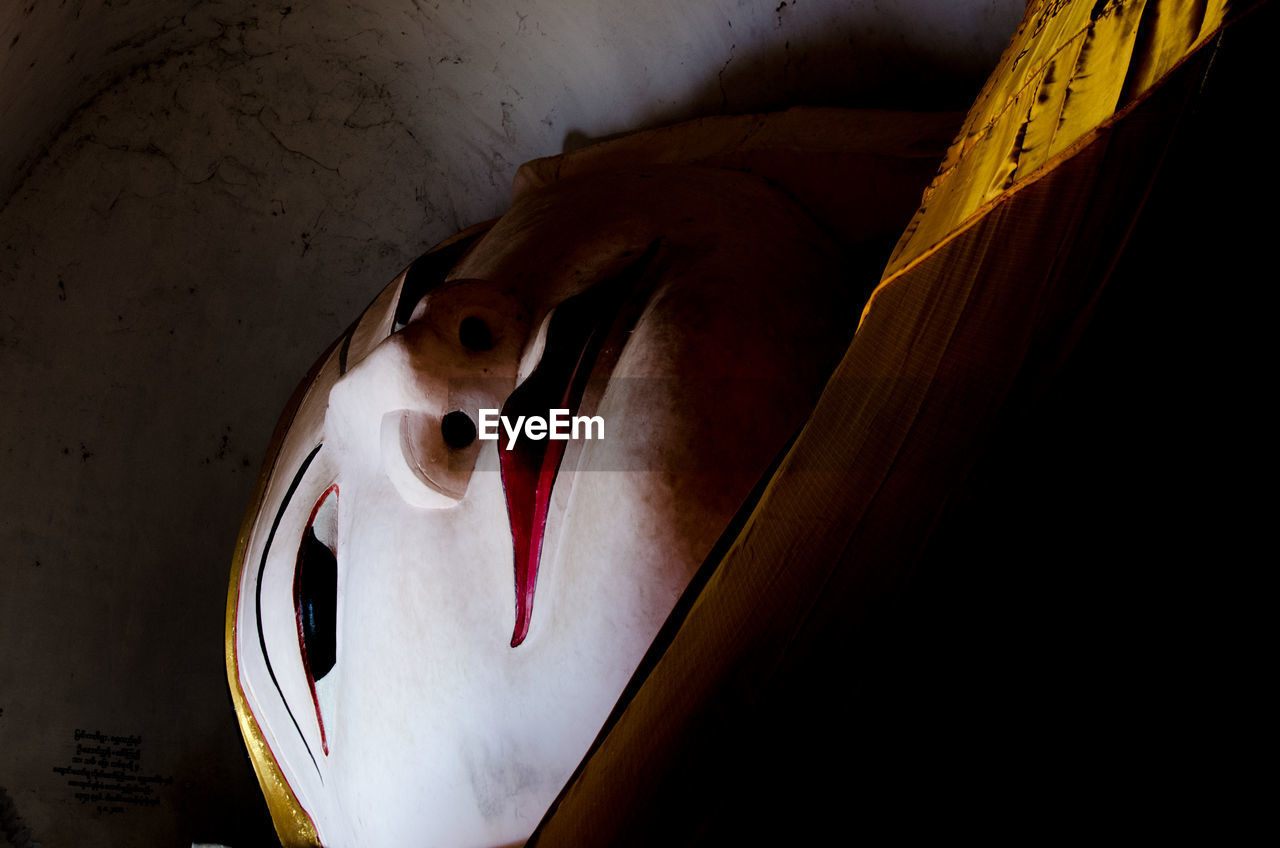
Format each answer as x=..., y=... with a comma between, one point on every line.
x=412, y=405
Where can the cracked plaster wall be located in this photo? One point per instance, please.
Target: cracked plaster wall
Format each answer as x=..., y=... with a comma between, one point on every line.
x=198, y=198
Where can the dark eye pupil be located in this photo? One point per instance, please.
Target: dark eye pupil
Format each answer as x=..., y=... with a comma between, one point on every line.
x=315, y=595
x=458, y=430
x=474, y=334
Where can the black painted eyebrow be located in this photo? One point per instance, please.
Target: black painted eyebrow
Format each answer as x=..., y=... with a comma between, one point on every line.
x=262, y=564
x=346, y=347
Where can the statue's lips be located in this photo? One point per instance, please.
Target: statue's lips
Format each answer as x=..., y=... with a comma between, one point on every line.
x=577, y=332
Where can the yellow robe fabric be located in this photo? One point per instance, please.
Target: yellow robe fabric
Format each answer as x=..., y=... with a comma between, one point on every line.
x=990, y=286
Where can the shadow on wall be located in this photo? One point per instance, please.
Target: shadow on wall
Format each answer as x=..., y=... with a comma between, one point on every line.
x=523, y=74
x=15, y=832
x=849, y=63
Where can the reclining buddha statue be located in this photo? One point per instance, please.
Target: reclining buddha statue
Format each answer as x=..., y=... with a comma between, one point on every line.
x=431, y=626
x=584, y=479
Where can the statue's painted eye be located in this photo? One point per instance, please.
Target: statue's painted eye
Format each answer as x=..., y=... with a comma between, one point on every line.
x=428, y=272
x=315, y=595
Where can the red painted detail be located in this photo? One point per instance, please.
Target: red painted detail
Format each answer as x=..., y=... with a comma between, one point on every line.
x=528, y=474
x=306, y=666
x=575, y=337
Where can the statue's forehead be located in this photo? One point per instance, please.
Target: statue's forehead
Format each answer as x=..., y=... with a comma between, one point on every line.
x=589, y=226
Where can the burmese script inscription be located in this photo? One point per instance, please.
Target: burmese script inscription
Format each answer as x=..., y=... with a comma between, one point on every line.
x=106, y=771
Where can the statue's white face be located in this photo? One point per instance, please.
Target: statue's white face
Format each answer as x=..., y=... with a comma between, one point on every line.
x=390, y=571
